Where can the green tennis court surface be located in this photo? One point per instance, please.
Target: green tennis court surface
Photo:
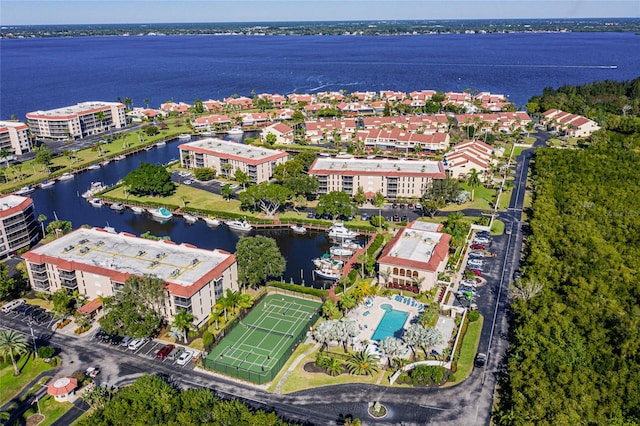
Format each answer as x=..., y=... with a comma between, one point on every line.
x=259, y=345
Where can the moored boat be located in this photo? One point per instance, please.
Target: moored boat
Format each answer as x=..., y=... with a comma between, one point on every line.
x=47, y=183
x=340, y=251
x=239, y=225
x=96, y=202
x=163, y=143
x=211, y=221
x=119, y=157
x=298, y=229
x=338, y=230
x=160, y=213
x=184, y=136
x=94, y=166
x=189, y=218
x=235, y=131
x=94, y=189
x=117, y=206
x=66, y=176
x=25, y=190
x=137, y=209
x=328, y=274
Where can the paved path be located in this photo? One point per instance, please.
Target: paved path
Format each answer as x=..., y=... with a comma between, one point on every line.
x=293, y=366
x=21, y=407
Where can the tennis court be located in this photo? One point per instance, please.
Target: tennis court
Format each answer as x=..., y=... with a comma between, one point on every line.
x=259, y=345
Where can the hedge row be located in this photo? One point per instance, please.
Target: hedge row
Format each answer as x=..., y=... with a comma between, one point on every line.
x=300, y=289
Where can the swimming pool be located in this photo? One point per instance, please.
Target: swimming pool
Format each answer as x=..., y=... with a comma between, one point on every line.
x=391, y=324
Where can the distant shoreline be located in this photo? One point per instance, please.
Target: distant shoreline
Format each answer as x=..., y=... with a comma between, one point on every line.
x=344, y=28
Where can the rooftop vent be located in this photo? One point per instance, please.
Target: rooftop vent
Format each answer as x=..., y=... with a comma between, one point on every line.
x=84, y=241
x=68, y=248
x=84, y=250
x=99, y=243
x=195, y=261
x=141, y=253
x=154, y=263
x=175, y=272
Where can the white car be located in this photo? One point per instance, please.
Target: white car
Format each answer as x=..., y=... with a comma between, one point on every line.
x=136, y=344
x=475, y=262
x=469, y=283
x=184, y=358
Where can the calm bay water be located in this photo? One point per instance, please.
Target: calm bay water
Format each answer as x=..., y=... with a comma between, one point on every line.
x=49, y=73
x=53, y=72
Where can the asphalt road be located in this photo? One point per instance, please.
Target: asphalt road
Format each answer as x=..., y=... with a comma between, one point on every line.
x=466, y=404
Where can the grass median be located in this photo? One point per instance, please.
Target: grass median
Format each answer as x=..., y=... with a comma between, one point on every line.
x=467, y=352
x=30, y=367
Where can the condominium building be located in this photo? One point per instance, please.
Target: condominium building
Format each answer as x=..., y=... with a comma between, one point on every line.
x=393, y=178
x=415, y=256
x=14, y=137
x=18, y=225
x=226, y=157
x=77, y=121
x=97, y=263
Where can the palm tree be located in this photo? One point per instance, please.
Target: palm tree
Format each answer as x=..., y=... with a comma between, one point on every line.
x=233, y=298
x=390, y=348
x=333, y=366
x=330, y=309
x=363, y=363
x=13, y=343
x=128, y=102
x=42, y=218
x=362, y=260
x=473, y=181
x=242, y=178
x=413, y=337
x=386, y=274
x=348, y=302
x=226, y=191
x=146, y=103
x=183, y=321
x=5, y=154
x=226, y=168
x=245, y=301
x=215, y=316
x=323, y=333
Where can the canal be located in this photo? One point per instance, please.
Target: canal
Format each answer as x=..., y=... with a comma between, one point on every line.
x=64, y=201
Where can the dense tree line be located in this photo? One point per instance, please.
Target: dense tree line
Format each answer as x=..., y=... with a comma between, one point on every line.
x=151, y=400
x=575, y=351
x=614, y=105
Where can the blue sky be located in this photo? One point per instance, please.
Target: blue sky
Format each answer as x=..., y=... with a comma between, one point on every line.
x=25, y=12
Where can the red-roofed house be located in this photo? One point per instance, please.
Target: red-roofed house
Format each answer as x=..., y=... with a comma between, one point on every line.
x=14, y=137
x=282, y=132
x=574, y=125
x=415, y=256
x=211, y=122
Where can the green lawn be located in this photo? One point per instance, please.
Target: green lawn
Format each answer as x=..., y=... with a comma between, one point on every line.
x=10, y=385
x=51, y=409
x=467, y=352
x=483, y=199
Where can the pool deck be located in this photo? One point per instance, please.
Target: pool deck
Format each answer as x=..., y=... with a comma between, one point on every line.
x=368, y=322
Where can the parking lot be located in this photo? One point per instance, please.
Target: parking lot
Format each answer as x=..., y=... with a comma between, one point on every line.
x=149, y=349
x=31, y=315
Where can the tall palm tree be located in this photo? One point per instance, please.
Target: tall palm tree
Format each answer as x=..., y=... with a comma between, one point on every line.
x=183, y=321
x=473, y=180
x=146, y=103
x=13, y=343
x=386, y=274
x=42, y=219
x=5, y=154
x=413, y=337
x=363, y=363
x=323, y=333
x=215, y=316
x=333, y=366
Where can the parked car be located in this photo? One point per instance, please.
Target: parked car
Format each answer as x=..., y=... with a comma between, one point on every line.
x=394, y=205
x=516, y=275
x=478, y=246
x=418, y=207
x=175, y=353
x=481, y=241
x=481, y=360
x=185, y=357
x=10, y=306
x=402, y=206
x=396, y=218
x=404, y=219
x=310, y=215
x=92, y=372
x=484, y=234
x=20, y=309
x=475, y=262
x=364, y=217
x=166, y=350
x=116, y=340
x=469, y=283
x=42, y=318
x=476, y=272
x=125, y=341
x=410, y=205
x=476, y=254
x=136, y=344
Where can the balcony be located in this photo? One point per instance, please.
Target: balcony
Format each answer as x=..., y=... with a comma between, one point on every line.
x=182, y=302
x=69, y=275
x=117, y=286
x=69, y=284
x=41, y=285
x=38, y=268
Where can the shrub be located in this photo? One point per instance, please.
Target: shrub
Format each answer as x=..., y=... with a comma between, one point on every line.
x=46, y=352
x=300, y=289
x=207, y=339
x=473, y=316
x=63, y=323
x=204, y=173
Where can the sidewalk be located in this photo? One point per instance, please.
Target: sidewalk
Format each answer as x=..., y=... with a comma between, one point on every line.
x=293, y=366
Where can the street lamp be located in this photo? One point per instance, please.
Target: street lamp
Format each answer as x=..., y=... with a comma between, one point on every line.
x=35, y=348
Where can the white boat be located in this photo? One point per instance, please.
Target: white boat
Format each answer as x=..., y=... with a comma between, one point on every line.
x=160, y=213
x=94, y=166
x=96, y=202
x=119, y=157
x=326, y=262
x=189, y=218
x=340, y=251
x=25, y=190
x=136, y=209
x=328, y=274
x=211, y=221
x=239, y=225
x=298, y=229
x=184, y=136
x=351, y=245
x=47, y=183
x=338, y=230
x=163, y=143
x=235, y=131
x=105, y=162
x=94, y=189
x=66, y=176
x=117, y=206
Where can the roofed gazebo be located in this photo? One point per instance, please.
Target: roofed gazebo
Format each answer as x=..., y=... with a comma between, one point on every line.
x=62, y=388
